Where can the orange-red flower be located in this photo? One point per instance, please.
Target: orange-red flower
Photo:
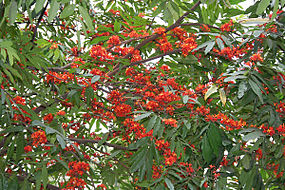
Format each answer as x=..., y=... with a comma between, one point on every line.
x=48, y=118
x=39, y=137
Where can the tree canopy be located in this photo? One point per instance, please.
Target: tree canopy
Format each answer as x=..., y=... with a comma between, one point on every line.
x=132, y=94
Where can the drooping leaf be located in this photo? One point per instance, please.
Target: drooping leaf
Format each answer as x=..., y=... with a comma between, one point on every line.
x=210, y=91
x=223, y=97
x=86, y=18
x=54, y=7
x=263, y=4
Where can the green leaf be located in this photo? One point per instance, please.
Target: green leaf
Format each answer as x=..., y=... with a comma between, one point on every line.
x=215, y=139
x=117, y=26
x=44, y=175
x=207, y=152
x=99, y=39
x=20, y=146
x=209, y=47
x=274, y=14
x=223, y=97
x=256, y=89
x=220, y=43
x=12, y=129
x=61, y=141
x=253, y=135
x=185, y=99
x=246, y=162
x=39, y=5
x=142, y=116
x=169, y=184
x=151, y=123
x=67, y=11
x=242, y=89
x=84, y=13
x=13, y=12
x=262, y=6
x=54, y=7
x=95, y=79
x=50, y=130
x=210, y=91
x=103, y=140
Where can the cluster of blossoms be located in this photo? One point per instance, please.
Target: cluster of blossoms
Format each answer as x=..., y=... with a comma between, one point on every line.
x=169, y=157
x=136, y=128
x=76, y=170
x=227, y=26
x=280, y=108
x=48, y=118
x=172, y=122
x=39, y=137
x=57, y=78
x=100, y=53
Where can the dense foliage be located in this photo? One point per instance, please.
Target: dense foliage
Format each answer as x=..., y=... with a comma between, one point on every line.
x=154, y=94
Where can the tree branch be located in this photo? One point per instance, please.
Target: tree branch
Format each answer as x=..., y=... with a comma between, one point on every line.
x=49, y=186
x=115, y=146
x=153, y=37
x=38, y=23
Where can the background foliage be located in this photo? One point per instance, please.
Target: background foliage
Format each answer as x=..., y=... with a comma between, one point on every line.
x=153, y=94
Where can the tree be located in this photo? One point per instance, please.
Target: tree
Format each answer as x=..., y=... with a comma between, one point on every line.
x=142, y=94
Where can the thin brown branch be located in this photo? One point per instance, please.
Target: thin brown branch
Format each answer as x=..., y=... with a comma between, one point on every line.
x=145, y=60
x=85, y=141
x=199, y=24
x=153, y=37
x=38, y=23
x=49, y=186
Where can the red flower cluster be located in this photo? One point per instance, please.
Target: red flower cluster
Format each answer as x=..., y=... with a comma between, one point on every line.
x=159, y=30
x=188, y=167
x=113, y=40
x=77, y=168
x=205, y=28
x=122, y=110
x=225, y=120
x=188, y=45
x=19, y=100
x=136, y=128
x=75, y=183
x=169, y=157
x=256, y=57
x=100, y=53
x=157, y=171
x=28, y=148
x=281, y=129
x=58, y=77
x=164, y=45
x=39, y=137
x=227, y=26
x=170, y=121
x=280, y=108
x=48, y=118
x=136, y=56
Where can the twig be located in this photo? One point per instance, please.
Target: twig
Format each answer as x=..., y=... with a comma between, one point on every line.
x=38, y=23
x=115, y=146
x=145, y=60
x=153, y=37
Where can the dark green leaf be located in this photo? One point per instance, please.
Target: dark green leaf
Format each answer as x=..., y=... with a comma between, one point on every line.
x=262, y=6
x=117, y=26
x=256, y=89
x=142, y=116
x=13, y=12
x=67, y=11
x=54, y=7
x=86, y=18
x=169, y=184
x=95, y=79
